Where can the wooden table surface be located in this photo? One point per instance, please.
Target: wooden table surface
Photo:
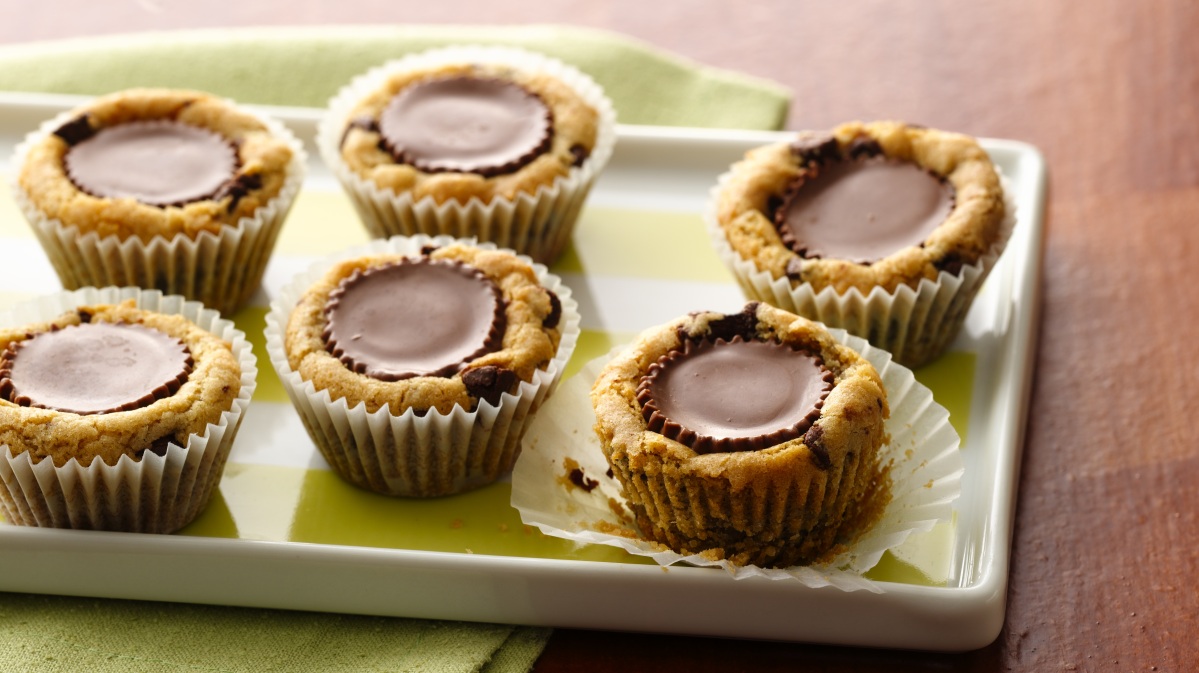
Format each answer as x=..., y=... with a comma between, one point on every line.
x=1104, y=560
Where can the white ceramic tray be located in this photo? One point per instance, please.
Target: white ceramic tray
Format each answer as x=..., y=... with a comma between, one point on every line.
x=284, y=533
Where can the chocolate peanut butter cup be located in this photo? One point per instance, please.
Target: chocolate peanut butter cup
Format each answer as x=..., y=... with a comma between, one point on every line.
x=738, y=395
x=159, y=163
x=94, y=368
x=862, y=210
x=466, y=124
x=855, y=485
x=884, y=229
x=761, y=449
x=175, y=190
x=432, y=354
x=416, y=317
x=118, y=413
x=494, y=143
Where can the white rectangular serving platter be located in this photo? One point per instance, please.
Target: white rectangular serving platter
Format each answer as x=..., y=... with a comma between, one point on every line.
x=667, y=169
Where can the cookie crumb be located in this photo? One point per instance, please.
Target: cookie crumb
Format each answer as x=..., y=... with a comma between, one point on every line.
x=574, y=476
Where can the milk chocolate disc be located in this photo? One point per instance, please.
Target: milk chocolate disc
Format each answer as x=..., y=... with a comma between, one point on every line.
x=94, y=368
x=863, y=210
x=159, y=163
x=417, y=317
x=717, y=396
x=466, y=124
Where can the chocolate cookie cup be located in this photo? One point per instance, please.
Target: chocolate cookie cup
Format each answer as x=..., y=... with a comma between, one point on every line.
x=415, y=363
x=752, y=437
x=885, y=229
x=165, y=189
x=493, y=143
x=118, y=409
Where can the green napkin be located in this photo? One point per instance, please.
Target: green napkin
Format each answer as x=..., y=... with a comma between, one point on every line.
x=304, y=67
x=51, y=634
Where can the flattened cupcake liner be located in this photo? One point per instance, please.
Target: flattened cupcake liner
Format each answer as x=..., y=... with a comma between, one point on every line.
x=923, y=453
x=415, y=455
x=223, y=271
x=153, y=494
x=539, y=225
x=914, y=325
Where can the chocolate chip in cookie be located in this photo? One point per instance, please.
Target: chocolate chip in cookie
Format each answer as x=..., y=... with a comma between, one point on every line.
x=489, y=382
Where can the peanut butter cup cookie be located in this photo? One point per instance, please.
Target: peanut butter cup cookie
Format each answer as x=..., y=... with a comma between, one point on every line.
x=174, y=190
x=114, y=388
x=445, y=345
x=495, y=143
x=752, y=437
x=884, y=229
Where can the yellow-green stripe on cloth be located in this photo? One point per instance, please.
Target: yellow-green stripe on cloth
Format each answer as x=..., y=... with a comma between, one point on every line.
x=304, y=67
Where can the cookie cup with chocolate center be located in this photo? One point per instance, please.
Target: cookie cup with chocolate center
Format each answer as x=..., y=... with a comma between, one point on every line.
x=165, y=189
x=118, y=409
x=494, y=143
x=343, y=337
x=783, y=496
x=789, y=225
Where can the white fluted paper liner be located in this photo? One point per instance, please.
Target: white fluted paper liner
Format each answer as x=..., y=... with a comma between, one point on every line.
x=915, y=325
x=925, y=478
x=154, y=494
x=221, y=270
x=411, y=455
x=538, y=225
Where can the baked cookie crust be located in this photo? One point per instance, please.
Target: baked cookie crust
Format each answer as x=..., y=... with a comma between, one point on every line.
x=575, y=128
x=210, y=389
x=530, y=340
x=784, y=505
x=260, y=175
x=756, y=187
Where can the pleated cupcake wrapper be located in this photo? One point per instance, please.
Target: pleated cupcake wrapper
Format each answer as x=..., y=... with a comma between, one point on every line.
x=683, y=509
x=915, y=325
x=925, y=473
x=153, y=494
x=539, y=225
x=409, y=455
x=222, y=270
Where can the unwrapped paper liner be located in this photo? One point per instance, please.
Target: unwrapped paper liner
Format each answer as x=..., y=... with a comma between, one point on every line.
x=221, y=270
x=538, y=225
x=411, y=455
x=914, y=325
x=153, y=494
x=925, y=478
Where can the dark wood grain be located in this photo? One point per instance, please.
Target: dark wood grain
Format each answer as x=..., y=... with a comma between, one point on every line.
x=1104, y=563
